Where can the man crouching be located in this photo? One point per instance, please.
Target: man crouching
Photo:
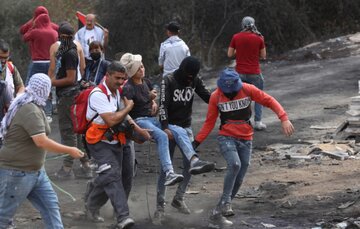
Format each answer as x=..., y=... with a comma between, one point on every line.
x=104, y=139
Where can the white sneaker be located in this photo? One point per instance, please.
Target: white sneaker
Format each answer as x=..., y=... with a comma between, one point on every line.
x=259, y=126
x=49, y=119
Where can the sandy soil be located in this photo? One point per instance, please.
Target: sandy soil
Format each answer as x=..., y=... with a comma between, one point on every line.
x=315, y=90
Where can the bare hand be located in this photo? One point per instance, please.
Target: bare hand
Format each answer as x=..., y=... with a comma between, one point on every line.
x=153, y=94
x=287, y=127
x=154, y=109
x=128, y=103
x=169, y=134
x=145, y=133
x=76, y=153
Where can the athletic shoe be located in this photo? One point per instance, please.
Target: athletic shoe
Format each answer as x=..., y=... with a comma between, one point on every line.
x=159, y=215
x=173, y=178
x=180, y=205
x=259, y=126
x=226, y=210
x=64, y=174
x=84, y=172
x=125, y=223
x=49, y=119
x=218, y=221
x=94, y=216
x=201, y=167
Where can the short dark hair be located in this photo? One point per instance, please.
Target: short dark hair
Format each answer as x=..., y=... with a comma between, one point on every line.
x=4, y=46
x=115, y=66
x=96, y=44
x=173, y=27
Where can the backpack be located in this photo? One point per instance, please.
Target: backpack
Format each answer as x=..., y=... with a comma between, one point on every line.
x=79, y=107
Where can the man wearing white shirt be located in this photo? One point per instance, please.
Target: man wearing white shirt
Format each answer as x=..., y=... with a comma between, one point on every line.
x=89, y=33
x=173, y=50
x=105, y=142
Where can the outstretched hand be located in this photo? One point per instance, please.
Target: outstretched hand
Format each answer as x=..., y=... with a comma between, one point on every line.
x=76, y=153
x=287, y=127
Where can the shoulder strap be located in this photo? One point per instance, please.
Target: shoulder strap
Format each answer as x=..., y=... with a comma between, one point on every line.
x=11, y=67
x=103, y=89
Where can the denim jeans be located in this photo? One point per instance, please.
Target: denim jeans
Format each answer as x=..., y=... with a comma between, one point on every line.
x=161, y=139
x=17, y=186
x=40, y=68
x=237, y=153
x=257, y=81
x=180, y=192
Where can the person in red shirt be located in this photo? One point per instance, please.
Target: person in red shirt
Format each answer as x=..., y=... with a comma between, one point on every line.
x=232, y=101
x=40, y=33
x=248, y=46
x=30, y=23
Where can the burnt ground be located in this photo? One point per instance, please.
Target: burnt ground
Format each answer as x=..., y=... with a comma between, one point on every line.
x=314, y=84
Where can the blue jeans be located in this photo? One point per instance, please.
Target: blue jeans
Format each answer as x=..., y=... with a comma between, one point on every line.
x=180, y=192
x=40, y=68
x=16, y=186
x=236, y=153
x=257, y=81
x=161, y=139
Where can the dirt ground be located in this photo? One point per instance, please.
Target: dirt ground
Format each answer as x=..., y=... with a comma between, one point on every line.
x=314, y=84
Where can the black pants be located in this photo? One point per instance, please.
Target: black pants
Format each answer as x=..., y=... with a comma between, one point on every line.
x=113, y=183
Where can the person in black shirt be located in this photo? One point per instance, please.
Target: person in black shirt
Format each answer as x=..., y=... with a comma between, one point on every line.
x=65, y=63
x=177, y=94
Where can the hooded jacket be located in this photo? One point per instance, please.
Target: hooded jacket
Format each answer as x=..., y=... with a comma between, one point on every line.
x=177, y=96
x=237, y=127
x=41, y=37
x=29, y=24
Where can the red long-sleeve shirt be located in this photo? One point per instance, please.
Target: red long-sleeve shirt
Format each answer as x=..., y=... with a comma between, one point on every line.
x=40, y=38
x=242, y=130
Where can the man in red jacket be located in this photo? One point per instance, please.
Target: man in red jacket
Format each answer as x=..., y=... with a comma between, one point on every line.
x=248, y=46
x=232, y=101
x=40, y=33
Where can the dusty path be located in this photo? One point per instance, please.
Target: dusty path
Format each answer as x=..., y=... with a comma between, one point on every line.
x=277, y=193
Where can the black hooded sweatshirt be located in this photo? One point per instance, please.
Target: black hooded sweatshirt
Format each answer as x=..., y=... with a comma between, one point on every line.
x=177, y=94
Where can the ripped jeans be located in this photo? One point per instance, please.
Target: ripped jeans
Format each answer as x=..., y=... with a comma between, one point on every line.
x=237, y=153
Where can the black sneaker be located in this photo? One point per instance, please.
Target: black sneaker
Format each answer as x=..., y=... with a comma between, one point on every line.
x=226, y=210
x=180, y=205
x=84, y=172
x=173, y=178
x=125, y=223
x=201, y=167
x=62, y=174
x=94, y=216
x=159, y=215
x=218, y=221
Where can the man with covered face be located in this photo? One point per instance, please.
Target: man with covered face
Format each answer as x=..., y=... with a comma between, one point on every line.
x=177, y=94
x=63, y=72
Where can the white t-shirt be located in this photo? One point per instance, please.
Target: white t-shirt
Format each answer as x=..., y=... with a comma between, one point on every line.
x=89, y=37
x=100, y=104
x=172, y=52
